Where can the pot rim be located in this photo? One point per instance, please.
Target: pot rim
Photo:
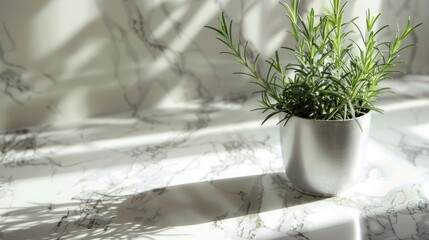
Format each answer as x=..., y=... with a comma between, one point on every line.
x=335, y=120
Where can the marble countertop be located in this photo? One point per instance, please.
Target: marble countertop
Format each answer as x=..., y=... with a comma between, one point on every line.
x=208, y=170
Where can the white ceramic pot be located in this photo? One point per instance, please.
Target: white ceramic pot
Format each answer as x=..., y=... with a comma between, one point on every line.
x=324, y=158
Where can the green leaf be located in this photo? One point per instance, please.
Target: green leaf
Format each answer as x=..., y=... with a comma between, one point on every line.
x=333, y=75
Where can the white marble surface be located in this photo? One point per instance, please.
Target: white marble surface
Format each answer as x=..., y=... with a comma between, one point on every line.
x=68, y=60
x=208, y=170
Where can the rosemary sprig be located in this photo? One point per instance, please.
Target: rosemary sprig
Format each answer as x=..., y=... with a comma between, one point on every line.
x=334, y=77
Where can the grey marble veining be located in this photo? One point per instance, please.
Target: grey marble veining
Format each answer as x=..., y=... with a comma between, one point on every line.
x=175, y=152
x=207, y=169
x=126, y=55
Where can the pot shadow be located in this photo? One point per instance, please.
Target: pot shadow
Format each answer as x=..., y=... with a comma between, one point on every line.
x=152, y=212
x=210, y=201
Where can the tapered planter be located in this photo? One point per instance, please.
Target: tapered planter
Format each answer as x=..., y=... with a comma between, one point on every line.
x=324, y=158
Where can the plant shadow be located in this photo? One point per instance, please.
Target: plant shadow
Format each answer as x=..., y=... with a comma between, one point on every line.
x=154, y=211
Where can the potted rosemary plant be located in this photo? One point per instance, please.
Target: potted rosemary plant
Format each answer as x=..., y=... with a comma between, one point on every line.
x=325, y=98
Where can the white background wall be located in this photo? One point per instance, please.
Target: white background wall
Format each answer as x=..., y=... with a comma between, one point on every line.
x=64, y=60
